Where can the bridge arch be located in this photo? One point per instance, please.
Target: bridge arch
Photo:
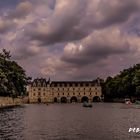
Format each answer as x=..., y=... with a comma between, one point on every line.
x=84, y=99
x=63, y=99
x=73, y=99
x=96, y=99
x=39, y=100
x=55, y=100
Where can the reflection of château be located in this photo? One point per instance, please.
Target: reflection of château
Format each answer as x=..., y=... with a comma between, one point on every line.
x=44, y=91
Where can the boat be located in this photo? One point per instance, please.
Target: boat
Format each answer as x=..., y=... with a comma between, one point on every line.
x=86, y=104
x=128, y=101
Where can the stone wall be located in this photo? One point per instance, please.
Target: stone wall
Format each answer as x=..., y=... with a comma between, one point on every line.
x=7, y=101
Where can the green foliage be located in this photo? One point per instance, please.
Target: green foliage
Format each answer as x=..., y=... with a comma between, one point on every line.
x=13, y=79
x=125, y=84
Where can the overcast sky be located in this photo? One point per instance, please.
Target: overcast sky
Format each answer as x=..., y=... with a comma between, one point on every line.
x=71, y=39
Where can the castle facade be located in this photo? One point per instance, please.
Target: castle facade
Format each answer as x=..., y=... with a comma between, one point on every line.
x=45, y=91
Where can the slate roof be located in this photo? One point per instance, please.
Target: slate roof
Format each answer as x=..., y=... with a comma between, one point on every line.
x=41, y=82
x=71, y=83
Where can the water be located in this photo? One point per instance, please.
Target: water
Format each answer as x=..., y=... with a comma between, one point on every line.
x=104, y=121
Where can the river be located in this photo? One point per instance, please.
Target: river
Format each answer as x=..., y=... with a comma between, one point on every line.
x=104, y=121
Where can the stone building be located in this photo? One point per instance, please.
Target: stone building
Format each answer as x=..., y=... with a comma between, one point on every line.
x=42, y=90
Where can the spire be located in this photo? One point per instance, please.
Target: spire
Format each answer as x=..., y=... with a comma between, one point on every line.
x=49, y=80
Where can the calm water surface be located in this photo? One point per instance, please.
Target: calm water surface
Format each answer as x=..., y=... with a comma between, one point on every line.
x=104, y=121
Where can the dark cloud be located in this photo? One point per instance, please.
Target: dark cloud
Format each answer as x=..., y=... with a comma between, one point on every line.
x=93, y=54
x=117, y=11
x=76, y=20
x=62, y=26
x=96, y=47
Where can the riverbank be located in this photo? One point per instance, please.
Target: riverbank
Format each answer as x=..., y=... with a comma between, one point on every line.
x=11, y=102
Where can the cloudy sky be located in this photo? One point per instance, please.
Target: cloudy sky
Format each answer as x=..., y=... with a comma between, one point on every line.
x=71, y=39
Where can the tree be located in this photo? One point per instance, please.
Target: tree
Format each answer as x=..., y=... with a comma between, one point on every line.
x=126, y=83
x=12, y=76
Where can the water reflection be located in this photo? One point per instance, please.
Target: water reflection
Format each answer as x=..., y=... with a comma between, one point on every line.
x=69, y=122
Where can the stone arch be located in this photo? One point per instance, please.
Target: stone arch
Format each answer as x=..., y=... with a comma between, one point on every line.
x=63, y=99
x=96, y=99
x=55, y=100
x=39, y=100
x=84, y=99
x=73, y=99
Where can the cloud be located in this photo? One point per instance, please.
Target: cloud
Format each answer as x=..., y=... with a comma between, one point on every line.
x=61, y=25
x=70, y=40
x=22, y=10
x=97, y=46
x=102, y=52
x=117, y=11
x=72, y=21
x=5, y=25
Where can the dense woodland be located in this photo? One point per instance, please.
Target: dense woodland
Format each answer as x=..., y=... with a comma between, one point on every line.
x=13, y=79
x=124, y=85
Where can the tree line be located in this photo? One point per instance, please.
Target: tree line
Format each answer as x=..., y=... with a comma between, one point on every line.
x=124, y=85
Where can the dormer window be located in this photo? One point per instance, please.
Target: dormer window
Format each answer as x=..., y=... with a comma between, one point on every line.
x=39, y=84
x=34, y=84
x=44, y=85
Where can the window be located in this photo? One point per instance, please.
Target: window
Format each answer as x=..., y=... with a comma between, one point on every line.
x=63, y=93
x=87, y=84
x=39, y=88
x=44, y=84
x=39, y=94
x=44, y=94
x=95, y=93
x=34, y=89
x=90, y=93
x=73, y=93
x=79, y=93
x=34, y=84
x=58, y=94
